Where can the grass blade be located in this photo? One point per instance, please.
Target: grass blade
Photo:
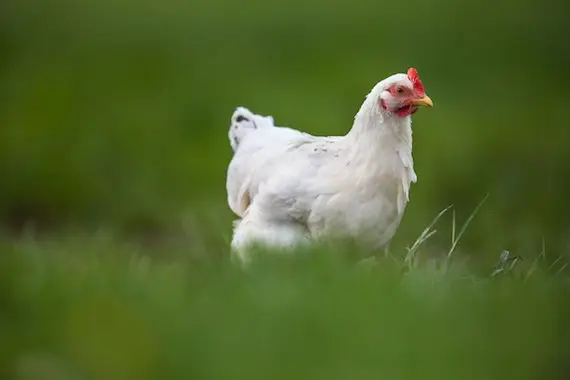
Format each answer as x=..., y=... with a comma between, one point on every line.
x=464, y=227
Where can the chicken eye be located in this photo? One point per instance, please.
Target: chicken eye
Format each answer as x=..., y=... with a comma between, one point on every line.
x=400, y=90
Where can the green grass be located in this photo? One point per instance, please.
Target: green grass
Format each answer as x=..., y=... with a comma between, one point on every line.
x=97, y=307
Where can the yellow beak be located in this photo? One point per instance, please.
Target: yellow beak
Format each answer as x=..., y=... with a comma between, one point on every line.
x=424, y=101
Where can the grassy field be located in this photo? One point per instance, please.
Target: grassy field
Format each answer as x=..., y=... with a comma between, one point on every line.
x=90, y=307
x=114, y=226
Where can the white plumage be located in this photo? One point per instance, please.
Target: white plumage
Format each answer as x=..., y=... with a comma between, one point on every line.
x=289, y=187
x=244, y=122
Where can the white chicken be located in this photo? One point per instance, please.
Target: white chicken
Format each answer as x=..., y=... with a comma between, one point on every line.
x=289, y=187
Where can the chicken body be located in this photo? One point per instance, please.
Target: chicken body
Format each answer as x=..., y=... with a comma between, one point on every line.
x=290, y=187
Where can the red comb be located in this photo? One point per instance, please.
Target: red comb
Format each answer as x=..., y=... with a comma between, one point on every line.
x=415, y=79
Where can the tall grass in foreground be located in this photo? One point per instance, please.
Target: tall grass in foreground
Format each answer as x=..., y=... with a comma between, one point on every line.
x=100, y=309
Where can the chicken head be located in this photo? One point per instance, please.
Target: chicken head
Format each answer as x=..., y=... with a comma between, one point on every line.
x=404, y=96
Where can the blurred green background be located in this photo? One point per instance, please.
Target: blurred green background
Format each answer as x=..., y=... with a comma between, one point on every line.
x=115, y=112
x=113, y=131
